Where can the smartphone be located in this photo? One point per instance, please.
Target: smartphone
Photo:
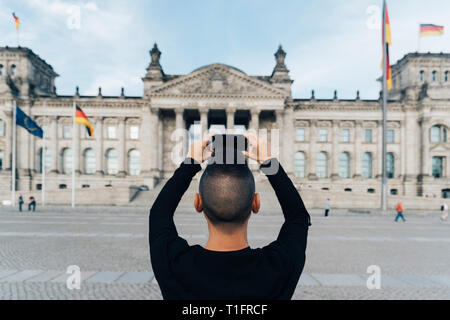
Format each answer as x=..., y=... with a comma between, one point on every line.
x=227, y=148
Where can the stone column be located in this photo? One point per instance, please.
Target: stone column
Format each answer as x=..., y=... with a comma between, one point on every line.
x=99, y=146
x=288, y=141
x=204, y=120
x=161, y=144
x=230, y=118
x=122, y=147
x=7, y=163
x=425, y=147
x=334, y=157
x=403, y=149
x=357, y=158
x=54, y=149
x=154, y=126
x=179, y=120
x=255, y=119
x=279, y=127
x=311, y=167
x=180, y=127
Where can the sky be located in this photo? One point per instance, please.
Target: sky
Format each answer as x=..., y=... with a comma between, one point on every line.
x=330, y=44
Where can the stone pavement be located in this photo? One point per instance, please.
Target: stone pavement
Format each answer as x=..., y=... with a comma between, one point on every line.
x=110, y=246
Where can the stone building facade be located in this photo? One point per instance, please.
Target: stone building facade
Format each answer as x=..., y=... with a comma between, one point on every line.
x=330, y=144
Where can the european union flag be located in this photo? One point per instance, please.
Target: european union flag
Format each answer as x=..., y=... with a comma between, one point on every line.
x=26, y=122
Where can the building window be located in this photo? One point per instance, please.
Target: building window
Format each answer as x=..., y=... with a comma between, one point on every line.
x=112, y=162
x=446, y=76
x=1, y=70
x=323, y=135
x=345, y=135
x=134, y=132
x=299, y=165
x=67, y=132
x=368, y=135
x=421, y=74
x=111, y=132
x=433, y=76
x=390, y=136
x=438, y=167
x=438, y=134
x=394, y=192
x=13, y=70
x=390, y=165
x=300, y=135
x=89, y=161
x=344, y=165
x=2, y=128
x=367, y=165
x=44, y=160
x=322, y=165
x=370, y=190
x=1, y=160
x=67, y=161
x=134, y=163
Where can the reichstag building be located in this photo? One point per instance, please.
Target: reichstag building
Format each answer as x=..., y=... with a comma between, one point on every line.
x=329, y=144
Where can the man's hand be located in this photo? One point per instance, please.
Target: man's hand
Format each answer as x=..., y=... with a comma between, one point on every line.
x=200, y=150
x=259, y=149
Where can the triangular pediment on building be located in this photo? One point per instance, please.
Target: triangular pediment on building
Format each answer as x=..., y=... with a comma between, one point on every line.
x=441, y=147
x=217, y=79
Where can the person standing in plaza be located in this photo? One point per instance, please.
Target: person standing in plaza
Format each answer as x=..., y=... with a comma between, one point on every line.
x=32, y=204
x=20, y=203
x=327, y=207
x=400, y=212
x=444, y=209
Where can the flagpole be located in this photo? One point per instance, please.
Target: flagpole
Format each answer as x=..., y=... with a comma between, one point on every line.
x=73, y=155
x=383, y=153
x=43, y=163
x=13, y=167
x=418, y=41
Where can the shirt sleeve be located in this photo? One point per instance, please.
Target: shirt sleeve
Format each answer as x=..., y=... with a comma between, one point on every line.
x=294, y=231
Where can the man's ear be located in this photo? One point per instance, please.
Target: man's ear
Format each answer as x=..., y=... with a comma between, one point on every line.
x=256, y=203
x=198, y=203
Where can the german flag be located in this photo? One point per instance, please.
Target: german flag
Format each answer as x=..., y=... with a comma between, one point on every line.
x=80, y=118
x=16, y=19
x=431, y=30
x=386, y=36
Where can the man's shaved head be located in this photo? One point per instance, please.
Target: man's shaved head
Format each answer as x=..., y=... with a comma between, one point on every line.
x=227, y=192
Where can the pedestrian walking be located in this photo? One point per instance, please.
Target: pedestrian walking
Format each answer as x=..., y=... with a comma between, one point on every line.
x=444, y=209
x=327, y=207
x=400, y=212
x=32, y=204
x=20, y=203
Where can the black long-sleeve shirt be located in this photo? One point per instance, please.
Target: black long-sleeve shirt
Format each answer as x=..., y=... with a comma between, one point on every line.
x=192, y=272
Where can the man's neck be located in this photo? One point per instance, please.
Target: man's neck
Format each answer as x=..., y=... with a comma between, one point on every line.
x=227, y=241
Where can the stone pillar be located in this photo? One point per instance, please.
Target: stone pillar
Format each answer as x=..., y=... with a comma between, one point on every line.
x=411, y=147
x=54, y=149
x=76, y=136
x=403, y=149
x=255, y=119
x=161, y=143
x=334, y=157
x=7, y=163
x=357, y=158
x=99, y=146
x=179, y=121
x=154, y=125
x=288, y=141
x=311, y=167
x=279, y=127
x=230, y=118
x=425, y=147
x=204, y=120
x=122, y=147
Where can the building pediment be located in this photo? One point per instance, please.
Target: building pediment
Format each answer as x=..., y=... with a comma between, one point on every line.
x=440, y=147
x=216, y=80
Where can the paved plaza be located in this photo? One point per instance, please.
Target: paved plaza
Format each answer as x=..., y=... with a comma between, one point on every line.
x=110, y=245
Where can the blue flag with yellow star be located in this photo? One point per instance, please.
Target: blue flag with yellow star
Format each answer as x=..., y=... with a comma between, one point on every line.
x=23, y=120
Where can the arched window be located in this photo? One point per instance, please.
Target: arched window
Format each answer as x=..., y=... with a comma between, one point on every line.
x=67, y=161
x=367, y=165
x=13, y=70
x=421, y=74
x=390, y=165
x=322, y=165
x=438, y=134
x=433, y=76
x=299, y=165
x=446, y=76
x=134, y=163
x=1, y=160
x=2, y=128
x=89, y=161
x=112, y=162
x=45, y=160
x=1, y=70
x=344, y=165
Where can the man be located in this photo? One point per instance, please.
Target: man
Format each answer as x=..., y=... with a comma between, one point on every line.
x=32, y=204
x=327, y=207
x=227, y=268
x=444, y=209
x=400, y=212
x=20, y=203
